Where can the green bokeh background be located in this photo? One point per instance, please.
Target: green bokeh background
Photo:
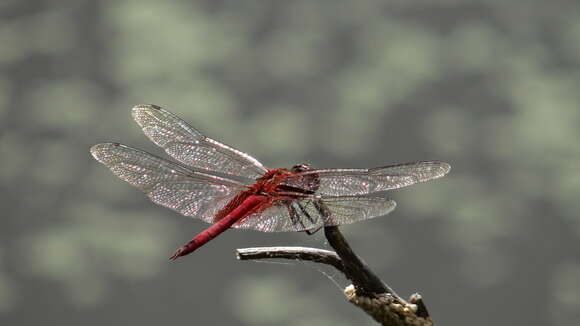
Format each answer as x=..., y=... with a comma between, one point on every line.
x=493, y=87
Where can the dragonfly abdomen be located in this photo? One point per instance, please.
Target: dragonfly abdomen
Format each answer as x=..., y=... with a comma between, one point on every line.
x=245, y=208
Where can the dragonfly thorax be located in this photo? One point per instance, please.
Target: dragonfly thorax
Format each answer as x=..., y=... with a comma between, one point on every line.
x=267, y=183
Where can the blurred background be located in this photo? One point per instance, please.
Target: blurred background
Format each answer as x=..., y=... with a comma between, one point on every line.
x=490, y=86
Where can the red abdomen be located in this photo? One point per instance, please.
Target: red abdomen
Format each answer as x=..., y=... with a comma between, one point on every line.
x=230, y=214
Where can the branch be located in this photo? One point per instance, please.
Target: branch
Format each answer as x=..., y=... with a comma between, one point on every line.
x=367, y=291
x=295, y=253
x=363, y=279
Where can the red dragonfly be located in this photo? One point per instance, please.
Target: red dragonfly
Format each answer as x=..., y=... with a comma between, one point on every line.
x=231, y=189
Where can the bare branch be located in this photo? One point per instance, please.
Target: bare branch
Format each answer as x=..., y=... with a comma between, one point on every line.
x=296, y=253
x=364, y=280
x=368, y=291
x=389, y=310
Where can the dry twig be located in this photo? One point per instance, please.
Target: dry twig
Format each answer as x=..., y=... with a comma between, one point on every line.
x=367, y=291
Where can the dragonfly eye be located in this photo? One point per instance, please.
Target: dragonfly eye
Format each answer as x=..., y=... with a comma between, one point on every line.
x=300, y=168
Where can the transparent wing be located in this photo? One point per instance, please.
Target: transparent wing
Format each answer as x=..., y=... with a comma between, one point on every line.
x=345, y=182
x=276, y=218
x=166, y=183
x=187, y=145
x=347, y=209
x=314, y=212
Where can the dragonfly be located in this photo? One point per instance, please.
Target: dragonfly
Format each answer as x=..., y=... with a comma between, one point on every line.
x=231, y=189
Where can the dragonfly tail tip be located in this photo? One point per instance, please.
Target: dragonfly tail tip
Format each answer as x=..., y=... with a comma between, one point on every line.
x=178, y=253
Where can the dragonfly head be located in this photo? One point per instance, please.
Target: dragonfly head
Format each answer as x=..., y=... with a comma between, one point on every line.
x=300, y=167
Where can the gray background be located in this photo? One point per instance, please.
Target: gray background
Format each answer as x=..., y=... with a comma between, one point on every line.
x=490, y=86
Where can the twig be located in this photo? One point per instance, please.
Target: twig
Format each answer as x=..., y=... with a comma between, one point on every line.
x=297, y=253
x=368, y=291
x=363, y=279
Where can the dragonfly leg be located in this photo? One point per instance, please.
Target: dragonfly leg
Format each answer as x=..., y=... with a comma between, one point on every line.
x=305, y=212
x=312, y=232
x=295, y=218
x=309, y=217
x=298, y=221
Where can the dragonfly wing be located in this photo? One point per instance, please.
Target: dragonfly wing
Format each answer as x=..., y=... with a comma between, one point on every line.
x=314, y=212
x=167, y=183
x=276, y=218
x=350, y=209
x=187, y=145
x=345, y=182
